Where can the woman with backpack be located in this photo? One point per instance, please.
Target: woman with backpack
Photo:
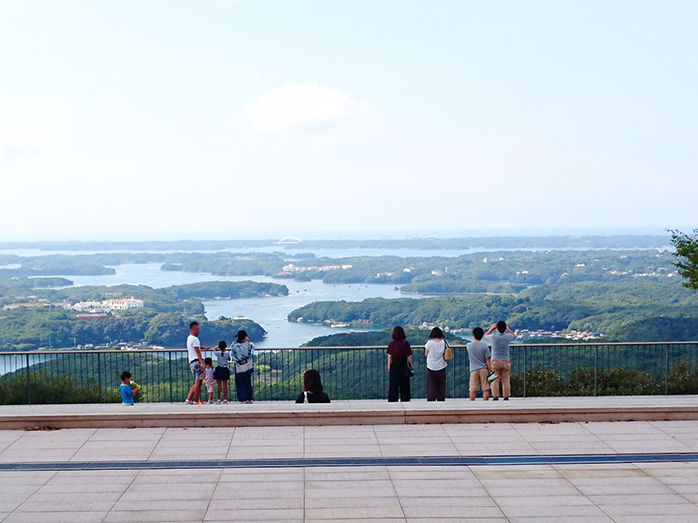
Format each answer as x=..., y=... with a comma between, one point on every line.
x=241, y=352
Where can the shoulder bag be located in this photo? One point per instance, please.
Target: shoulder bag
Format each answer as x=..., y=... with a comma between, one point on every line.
x=448, y=352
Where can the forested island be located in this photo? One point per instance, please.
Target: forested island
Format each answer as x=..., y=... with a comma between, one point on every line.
x=623, y=311
x=48, y=318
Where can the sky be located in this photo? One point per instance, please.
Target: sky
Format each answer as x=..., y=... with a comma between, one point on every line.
x=182, y=119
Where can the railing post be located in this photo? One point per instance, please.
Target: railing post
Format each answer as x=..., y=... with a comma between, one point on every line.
x=666, y=372
x=170, y=366
x=596, y=371
x=99, y=374
x=29, y=384
x=525, y=369
x=454, y=376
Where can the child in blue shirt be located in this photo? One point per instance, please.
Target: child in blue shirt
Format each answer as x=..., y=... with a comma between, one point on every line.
x=128, y=389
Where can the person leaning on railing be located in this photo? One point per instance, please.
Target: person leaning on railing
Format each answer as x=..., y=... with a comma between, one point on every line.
x=501, y=361
x=399, y=366
x=434, y=351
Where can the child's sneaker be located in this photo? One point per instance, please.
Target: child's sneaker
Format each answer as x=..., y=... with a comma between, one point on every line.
x=210, y=402
x=218, y=402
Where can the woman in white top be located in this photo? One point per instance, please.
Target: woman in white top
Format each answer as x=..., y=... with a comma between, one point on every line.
x=436, y=365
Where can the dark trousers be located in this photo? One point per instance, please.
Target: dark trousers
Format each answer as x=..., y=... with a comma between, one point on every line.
x=436, y=385
x=243, y=385
x=399, y=387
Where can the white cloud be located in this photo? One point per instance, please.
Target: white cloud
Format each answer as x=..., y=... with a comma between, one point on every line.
x=309, y=107
x=16, y=142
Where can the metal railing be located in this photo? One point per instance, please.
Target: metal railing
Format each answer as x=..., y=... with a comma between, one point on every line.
x=351, y=372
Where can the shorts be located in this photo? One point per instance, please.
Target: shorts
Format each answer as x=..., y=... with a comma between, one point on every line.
x=221, y=374
x=478, y=380
x=196, y=370
x=210, y=387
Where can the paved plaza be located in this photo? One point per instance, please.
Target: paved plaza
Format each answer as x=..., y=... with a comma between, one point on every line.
x=581, y=493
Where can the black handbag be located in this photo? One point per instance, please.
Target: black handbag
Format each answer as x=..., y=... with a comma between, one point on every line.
x=409, y=371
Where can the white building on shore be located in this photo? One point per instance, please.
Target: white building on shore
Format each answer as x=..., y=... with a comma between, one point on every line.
x=109, y=305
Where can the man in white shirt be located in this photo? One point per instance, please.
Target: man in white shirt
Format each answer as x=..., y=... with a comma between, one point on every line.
x=196, y=362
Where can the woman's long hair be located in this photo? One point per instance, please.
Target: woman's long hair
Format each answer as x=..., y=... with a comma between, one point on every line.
x=312, y=382
x=399, y=334
x=241, y=336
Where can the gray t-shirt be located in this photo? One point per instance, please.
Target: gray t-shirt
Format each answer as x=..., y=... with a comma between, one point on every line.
x=478, y=353
x=500, y=345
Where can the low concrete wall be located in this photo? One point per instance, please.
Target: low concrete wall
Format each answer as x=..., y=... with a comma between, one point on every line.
x=348, y=413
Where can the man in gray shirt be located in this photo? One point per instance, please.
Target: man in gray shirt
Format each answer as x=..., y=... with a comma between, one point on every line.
x=501, y=336
x=479, y=354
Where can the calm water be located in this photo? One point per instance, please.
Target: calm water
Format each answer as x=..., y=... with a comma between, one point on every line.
x=270, y=312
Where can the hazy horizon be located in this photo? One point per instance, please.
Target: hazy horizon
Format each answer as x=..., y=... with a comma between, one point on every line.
x=346, y=235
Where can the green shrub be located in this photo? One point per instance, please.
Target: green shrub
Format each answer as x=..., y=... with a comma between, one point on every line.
x=48, y=388
x=541, y=382
x=682, y=380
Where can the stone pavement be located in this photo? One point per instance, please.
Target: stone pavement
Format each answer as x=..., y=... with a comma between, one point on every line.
x=216, y=443
x=536, y=494
x=589, y=493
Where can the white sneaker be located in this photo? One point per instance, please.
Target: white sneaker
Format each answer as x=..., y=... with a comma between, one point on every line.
x=218, y=402
x=225, y=402
x=187, y=402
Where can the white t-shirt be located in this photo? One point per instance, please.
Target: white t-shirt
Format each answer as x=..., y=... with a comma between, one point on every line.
x=435, y=356
x=192, y=343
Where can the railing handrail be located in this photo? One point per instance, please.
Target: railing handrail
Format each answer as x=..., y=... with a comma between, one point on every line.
x=362, y=347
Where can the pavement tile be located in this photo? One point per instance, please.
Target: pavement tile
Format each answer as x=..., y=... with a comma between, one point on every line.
x=521, y=472
x=117, y=435
x=232, y=503
x=55, y=517
x=555, y=513
x=566, y=519
x=418, y=500
x=358, y=512
x=36, y=455
x=653, y=518
x=344, y=474
x=349, y=493
x=439, y=513
x=168, y=516
x=602, y=472
x=254, y=515
x=460, y=520
x=352, y=502
x=659, y=509
x=125, y=504
x=542, y=500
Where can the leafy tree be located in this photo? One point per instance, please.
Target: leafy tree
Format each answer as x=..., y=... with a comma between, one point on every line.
x=686, y=255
